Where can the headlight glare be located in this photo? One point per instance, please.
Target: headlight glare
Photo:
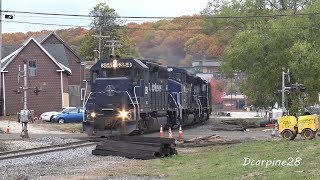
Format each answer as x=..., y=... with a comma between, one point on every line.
x=124, y=114
x=93, y=114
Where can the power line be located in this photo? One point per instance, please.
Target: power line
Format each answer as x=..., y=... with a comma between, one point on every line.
x=38, y=16
x=167, y=29
x=46, y=24
x=159, y=17
x=72, y=18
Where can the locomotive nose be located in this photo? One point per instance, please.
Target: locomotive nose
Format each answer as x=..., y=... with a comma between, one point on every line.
x=113, y=94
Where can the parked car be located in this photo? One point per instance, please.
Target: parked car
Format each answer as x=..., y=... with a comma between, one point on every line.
x=69, y=115
x=47, y=116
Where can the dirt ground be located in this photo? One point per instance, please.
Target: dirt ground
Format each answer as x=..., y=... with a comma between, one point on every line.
x=214, y=126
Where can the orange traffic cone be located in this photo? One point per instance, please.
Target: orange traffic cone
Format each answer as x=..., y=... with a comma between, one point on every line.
x=8, y=129
x=180, y=132
x=170, y=132
x=161, y=131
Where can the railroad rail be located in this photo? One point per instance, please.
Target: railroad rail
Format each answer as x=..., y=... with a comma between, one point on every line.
x=126, y=146
x=44, y=149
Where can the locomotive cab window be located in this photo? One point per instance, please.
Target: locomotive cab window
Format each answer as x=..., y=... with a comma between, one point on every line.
x=177, y=77
x=204, y=87
x=183, y=78
x=163, y=74
x=137, y=74
x=95, y=74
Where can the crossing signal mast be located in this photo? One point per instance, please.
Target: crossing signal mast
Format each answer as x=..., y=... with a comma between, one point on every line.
x=25, y=115
x=289, y=89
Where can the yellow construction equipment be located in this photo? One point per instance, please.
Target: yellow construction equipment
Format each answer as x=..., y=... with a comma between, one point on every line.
x=290, y=126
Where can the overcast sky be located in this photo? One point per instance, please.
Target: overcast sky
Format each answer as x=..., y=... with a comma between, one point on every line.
x=162, y=8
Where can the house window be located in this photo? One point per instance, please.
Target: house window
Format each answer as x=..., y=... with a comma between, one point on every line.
x=32, y=67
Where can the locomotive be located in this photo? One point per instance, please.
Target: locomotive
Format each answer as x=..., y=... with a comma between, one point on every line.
x=132, y=96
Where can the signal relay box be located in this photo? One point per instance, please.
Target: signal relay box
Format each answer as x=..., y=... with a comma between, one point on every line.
x=25, y=115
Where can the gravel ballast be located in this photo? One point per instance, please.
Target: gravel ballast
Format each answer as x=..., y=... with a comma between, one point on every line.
x=59, y=165
x=76, y=163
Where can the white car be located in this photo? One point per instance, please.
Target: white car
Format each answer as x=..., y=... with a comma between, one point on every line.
x=47, y=116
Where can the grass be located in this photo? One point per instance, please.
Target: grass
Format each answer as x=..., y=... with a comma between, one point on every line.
x=226, y=162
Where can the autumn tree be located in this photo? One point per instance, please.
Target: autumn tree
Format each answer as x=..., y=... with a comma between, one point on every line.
x=174, y=42
x=216, y=87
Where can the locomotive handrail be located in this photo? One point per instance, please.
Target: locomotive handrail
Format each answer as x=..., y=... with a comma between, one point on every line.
x=180, y=104
x=195, y=96
x=86, y=101
x=200, y=106
x=134, y=106
x=205, y=98
x=175, y=102
x=178, y=101
x=135, y=96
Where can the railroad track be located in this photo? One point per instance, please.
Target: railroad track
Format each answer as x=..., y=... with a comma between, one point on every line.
x=44, y=149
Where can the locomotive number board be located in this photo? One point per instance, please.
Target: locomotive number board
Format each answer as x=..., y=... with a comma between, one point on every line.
x=116, y=65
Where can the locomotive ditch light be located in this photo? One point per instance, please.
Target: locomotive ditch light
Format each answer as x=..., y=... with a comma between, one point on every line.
x=124, y=114
x=93, y=114
x=115, y=63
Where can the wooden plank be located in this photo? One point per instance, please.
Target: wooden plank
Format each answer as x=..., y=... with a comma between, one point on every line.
x=149, y=144
x=144, y=139
x=130, y=155
x=124, y=145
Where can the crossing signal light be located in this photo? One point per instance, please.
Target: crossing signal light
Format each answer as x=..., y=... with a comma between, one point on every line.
x=302, y=88
x=8, y=16
x=36, y=90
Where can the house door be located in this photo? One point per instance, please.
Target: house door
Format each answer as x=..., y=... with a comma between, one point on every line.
x=74, y=96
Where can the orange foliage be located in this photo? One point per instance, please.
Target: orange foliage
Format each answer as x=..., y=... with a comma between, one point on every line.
x=71, y=36
x=177, y=41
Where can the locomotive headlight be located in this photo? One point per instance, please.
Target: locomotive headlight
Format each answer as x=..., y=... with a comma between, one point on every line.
x=115, y=63
x=93, y=114
x=124, y=114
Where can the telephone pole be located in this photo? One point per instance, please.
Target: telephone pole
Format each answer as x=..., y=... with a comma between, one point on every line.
x=100, y=37
x=113, y=44
x=1, y=93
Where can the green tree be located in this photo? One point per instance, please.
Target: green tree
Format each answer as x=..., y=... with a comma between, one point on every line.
x=87, y=47
x=105, y=23
x=261, y=47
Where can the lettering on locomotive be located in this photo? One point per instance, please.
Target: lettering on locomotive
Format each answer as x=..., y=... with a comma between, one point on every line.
x=118, y=65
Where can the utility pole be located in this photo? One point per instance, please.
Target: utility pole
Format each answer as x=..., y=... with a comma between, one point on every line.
x=113, y=44
x=283, y=88
x=1, y=93
x=100, y=37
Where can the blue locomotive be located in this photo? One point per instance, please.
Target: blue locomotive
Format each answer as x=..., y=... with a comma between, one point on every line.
x=136, y=96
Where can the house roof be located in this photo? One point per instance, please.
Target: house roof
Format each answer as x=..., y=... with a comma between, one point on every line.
x=58, y=52
x=54, y=57
x=42, y=38
x=8, y=49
